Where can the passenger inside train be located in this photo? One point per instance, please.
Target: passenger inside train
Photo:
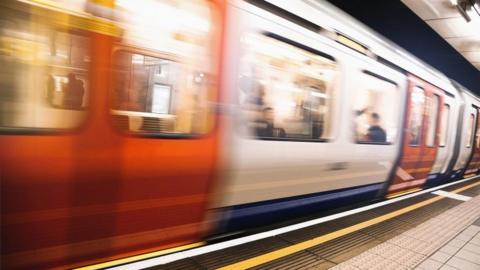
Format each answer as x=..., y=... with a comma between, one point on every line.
x=375, y=113
x=375, y=132
x=266, y=127
x=73, y=92
x=293, y=86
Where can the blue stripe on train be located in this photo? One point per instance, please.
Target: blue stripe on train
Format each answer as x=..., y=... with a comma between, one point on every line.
x=252, y=215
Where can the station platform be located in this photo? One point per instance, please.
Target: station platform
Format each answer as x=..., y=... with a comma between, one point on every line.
x=437, y=228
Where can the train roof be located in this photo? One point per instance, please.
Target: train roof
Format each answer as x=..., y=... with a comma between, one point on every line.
x=332, y=19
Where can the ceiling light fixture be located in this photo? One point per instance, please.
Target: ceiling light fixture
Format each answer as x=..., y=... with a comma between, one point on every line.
x=476, y=6
x=463, y=7
x=467, y=8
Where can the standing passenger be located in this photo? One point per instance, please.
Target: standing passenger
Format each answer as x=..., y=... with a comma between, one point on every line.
x=74, y=92
x=375, y=132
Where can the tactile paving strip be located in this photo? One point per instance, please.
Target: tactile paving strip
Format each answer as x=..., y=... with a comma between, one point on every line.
x=300, y=260
x=410, y=248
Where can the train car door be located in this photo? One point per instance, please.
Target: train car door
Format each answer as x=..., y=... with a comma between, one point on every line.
x=123, y=165
x=41, y=122
x=474, y=127
x=445, y=144
x=420, y=138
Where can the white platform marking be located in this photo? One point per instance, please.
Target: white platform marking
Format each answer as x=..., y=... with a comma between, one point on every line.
x=452, y=195
x=247, y=239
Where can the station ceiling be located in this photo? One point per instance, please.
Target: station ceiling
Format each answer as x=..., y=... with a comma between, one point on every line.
x=444, y=17
x=421, y=35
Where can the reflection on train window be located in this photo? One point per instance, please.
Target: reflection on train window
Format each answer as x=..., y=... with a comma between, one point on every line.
x=165, y=68
x=158, y=95
x=44, y=71
x=470, y=126
x=444, y=125
x=432, y=119
x=285, y=91
x=375, y=110
x=417, y=100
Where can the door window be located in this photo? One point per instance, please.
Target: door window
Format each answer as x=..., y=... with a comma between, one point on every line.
x=432, y=119
x=159, y=95
x=417, y=100
x=164, y=70
x=44, y=73
x=470, y=126
x=444, y=125
x=477, y=136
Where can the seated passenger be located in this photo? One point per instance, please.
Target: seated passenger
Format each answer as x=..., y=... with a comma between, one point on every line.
x=265, y=128
x=375, y=132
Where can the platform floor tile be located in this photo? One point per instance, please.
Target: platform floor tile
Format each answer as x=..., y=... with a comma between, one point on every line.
x=450, y=240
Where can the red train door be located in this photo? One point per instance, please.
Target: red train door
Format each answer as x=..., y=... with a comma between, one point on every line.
x=474, y=163
x=420, y=140
x=88, y=175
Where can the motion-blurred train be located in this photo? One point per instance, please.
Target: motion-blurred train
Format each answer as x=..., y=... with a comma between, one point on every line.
x=133, y=126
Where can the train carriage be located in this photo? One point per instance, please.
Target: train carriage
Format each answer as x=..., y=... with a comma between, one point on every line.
x=468, y=160
x=133, y=126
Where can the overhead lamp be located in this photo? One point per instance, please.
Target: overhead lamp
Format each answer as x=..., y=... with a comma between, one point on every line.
x=463, y=6
x=467, y=8
x=476, y=6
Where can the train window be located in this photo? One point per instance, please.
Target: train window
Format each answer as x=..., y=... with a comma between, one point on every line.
x=285, y=90
x=417, y=100
x=158, y=95
x=432, y=119
x=44, y=68
x=470, y=127
x=375, y=110
x=444, y=125
x=166, y=87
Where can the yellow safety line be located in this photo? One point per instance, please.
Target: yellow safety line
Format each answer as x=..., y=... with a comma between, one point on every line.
x=140, y=257
x=268, y=257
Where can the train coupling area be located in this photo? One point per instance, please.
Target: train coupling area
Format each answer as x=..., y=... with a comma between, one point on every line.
x=437, y=228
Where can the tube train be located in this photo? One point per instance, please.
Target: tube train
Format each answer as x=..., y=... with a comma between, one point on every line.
x=133, y=126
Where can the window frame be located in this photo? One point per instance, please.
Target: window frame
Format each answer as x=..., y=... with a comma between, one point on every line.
x=316, y=52
x=380, y=77
x=211, y=110
x=445, y=128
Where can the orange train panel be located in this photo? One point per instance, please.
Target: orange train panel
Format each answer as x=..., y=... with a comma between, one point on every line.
x=417, y=158
x=95, y=194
